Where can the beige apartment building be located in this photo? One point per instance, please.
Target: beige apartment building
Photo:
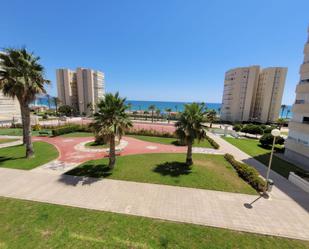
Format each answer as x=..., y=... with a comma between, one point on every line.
x=297, y=143
x=80, y=89
x=253, y=94
x=9, y=109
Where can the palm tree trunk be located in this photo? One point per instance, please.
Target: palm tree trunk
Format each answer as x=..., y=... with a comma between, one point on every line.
x=210, y=125
x=189, y=154
x=151, y=116
x=27, y=130
x=23, y=123
x=112, y=156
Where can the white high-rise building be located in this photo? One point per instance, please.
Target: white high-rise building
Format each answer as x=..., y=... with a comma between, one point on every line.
x=80, y=89
x=252, y=94
x=297, y=144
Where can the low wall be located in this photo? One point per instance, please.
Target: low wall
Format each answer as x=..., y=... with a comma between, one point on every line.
x=298, y=181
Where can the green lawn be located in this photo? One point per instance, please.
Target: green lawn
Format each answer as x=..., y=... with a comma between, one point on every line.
x=14, y=157
x=15, y=132
x=167, y=140
x=26, y=224
x=78, y=134
x=11, y=131
x=208, y=172
x=7, y=140
x=252, y=148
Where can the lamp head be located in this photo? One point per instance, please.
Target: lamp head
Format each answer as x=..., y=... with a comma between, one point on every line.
x=275, y=132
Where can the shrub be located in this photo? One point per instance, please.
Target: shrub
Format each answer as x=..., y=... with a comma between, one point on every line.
x=267, y=140
x=65, y=129
x=153, y=133
x=212, y=142
x=45, y=116
x=237, y=127
x=252, y=129
x=246, y=172
x=36, y=127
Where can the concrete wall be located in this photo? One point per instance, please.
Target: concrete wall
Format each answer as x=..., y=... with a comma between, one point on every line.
x=298, y=181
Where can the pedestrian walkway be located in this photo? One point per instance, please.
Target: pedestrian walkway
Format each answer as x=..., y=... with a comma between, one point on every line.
x=9, y=144
x=283, y=189
x=72, y=151
x=212, y=208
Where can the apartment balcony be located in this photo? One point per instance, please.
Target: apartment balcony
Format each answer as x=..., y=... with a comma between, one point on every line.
x=304, y=68
x=300, y=108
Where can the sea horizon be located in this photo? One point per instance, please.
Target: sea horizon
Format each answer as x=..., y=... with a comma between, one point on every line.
x=176, y=106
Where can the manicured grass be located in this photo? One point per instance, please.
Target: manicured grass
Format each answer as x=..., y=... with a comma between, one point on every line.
x=14, y=157
x=167, y=140
x=78, y=134
x=26, y=224
x=98, y=146
x=252, y=148
x=208, y=172
x=7, y=140
x=11, y=131
x=16, y=132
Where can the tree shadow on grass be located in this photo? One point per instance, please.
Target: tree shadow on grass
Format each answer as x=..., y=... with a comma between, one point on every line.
x=174, y=169
x=3, y=159
x=90, y=170
x=86, y=174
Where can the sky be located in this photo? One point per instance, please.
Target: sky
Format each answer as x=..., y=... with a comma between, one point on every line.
x=166, y=50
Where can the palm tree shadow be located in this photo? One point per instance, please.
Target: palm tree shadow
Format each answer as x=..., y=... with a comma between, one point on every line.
x=90, y=170
x=173, y=169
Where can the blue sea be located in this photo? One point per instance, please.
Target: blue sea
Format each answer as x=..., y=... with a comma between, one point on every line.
x=137, y=105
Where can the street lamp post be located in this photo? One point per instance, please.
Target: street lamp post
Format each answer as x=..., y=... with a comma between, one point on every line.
x=275, y=133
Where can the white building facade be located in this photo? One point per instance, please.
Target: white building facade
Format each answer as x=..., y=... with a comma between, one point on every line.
x=297, y=144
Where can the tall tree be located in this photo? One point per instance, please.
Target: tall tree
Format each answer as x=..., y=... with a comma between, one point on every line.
x=48, y=100
x=22, y=77
x=211, y=117
x=56, y=101
x=168, y=110
x=111, y=121
x=152, y=108
x=191, y=126
x=158, y=113
x=282, y=110
x=287, y=113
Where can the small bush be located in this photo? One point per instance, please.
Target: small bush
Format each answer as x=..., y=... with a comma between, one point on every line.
x=267, y=140
x=36, y=127
x=246, y=172
x=213, y=142
x=237, y=127
x=65, y=129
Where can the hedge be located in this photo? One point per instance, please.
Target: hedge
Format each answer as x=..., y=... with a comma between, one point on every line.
x=248, y=173
x=69, y=129
x=152, y=133
x=212, y=142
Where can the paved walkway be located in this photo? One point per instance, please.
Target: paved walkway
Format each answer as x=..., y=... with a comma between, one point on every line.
x=283, y=189
x=71, y=152
x=212, y=208
x=9, y=144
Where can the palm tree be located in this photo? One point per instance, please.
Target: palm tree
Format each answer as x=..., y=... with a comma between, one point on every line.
x=191, y=126
x=168, y=110
x=152, y=108
x=111, y=121
x=56, y=101
x=287, y=113
x=282, y=109
x=48, y=101
x=22, y=77
x=158, y=112
x=211, y=117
